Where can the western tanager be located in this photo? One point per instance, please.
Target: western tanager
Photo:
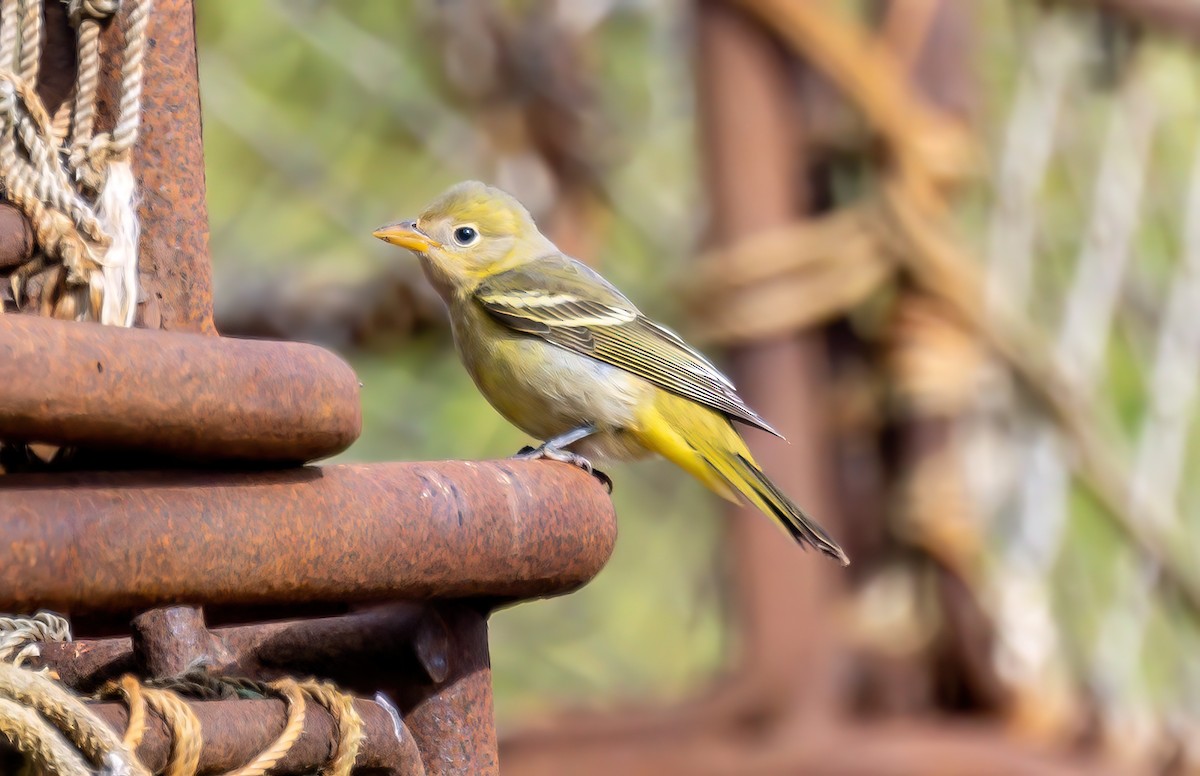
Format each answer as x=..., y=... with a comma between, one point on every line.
x=569, y=360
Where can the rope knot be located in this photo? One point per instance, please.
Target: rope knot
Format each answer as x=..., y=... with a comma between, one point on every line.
x=99, y=10
x=90, y=162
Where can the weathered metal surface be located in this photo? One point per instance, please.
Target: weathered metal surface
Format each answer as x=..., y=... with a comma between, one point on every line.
x=387, y=645
x=126, y=541
x=169, y=163
x=172, y=640
x=235, y=731
x=187, y=396
x=452, y=721
x=16, y=237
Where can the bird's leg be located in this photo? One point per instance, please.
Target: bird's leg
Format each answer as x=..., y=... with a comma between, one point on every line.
x=555, y=450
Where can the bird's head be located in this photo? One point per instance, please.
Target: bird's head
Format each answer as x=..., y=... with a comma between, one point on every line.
x=468, y=233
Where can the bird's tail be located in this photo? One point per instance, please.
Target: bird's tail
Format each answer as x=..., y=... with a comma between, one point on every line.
x=705, y=444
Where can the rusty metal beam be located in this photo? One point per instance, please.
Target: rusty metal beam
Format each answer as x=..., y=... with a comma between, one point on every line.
x=388, y=645
x=127, y=541
x=169, y=163
x=235, y=731
x=453, y=720
x=186, y=396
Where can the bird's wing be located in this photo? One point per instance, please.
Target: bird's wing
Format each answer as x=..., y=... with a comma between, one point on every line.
x=567, y=304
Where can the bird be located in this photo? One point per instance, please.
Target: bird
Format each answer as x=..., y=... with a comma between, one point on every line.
x=563, y=355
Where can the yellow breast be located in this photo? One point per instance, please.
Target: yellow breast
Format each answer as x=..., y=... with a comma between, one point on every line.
x=541, y=388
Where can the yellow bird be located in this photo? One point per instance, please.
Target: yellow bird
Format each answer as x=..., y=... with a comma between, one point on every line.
x=565, y=357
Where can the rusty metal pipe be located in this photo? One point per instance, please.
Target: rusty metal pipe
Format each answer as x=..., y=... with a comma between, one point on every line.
x=188, y=396
x=128, y=541
x=235, y=731
x=453, y=721
x=391, y=644
x=168, y=160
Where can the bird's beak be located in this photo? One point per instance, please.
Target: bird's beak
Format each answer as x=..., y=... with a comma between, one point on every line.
x=406, y=235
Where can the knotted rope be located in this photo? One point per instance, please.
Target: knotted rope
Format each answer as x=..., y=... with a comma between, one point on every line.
x=19, y=635
x=186, y=735
x=165, y=698
x=60, y=735
x=44, y=720
x=75, y=185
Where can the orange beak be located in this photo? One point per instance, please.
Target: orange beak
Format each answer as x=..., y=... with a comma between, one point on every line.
x=406, y=235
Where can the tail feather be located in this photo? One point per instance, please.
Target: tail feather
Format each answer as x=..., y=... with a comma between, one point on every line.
x=705, y=444
x=771, y=500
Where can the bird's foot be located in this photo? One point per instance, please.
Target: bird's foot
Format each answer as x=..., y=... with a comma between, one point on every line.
x=552, y=453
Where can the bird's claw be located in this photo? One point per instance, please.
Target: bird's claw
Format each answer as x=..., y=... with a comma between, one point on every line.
x=605, y=480
x=528, y=453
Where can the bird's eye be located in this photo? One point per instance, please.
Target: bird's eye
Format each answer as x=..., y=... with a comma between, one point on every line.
x=466, y=235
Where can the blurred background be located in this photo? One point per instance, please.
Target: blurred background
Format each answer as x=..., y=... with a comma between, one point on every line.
x=951, y=249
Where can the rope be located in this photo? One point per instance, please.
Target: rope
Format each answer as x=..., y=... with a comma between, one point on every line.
x=293, y=696
x=187, y=739
x=19, y=635
x=98, y=743
x=186, y=733
x=59, y=733
x=30, y=734
x=82, y=210
x=10, y=11
x=131, y=690
x=31, y=40
x=346, y=720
